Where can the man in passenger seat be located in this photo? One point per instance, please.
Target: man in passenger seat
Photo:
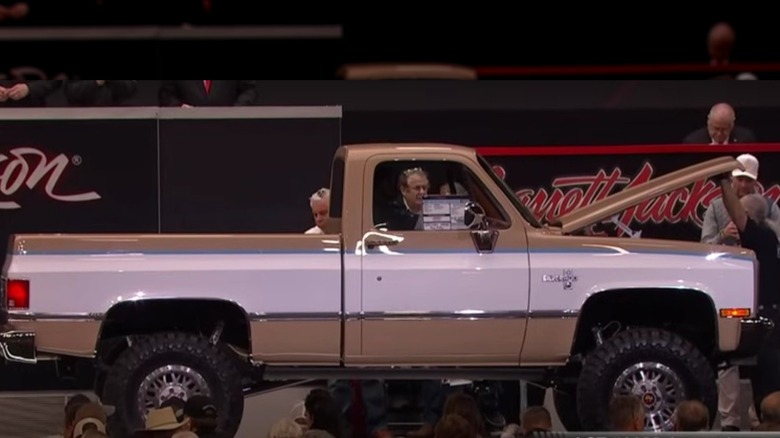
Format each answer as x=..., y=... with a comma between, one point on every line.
x=343, y=391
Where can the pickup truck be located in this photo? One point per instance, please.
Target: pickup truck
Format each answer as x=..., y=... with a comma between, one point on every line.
x=471, y=286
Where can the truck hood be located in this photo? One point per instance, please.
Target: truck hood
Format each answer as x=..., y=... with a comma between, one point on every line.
x=618, y=202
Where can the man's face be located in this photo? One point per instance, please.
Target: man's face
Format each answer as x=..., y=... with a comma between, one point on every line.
x=319, y=209
x=415, y=189
x=743, y=185
x=719, y=129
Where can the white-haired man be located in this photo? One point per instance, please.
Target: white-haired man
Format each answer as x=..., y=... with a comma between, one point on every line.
x=721, y=128
x=718, y=228
x=320, y=210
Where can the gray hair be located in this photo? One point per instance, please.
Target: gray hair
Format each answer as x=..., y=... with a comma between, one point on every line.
x=319, y=195
x=755, y=206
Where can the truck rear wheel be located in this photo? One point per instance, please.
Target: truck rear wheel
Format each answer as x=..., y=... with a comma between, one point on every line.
x=659, y=366
x=163, y=365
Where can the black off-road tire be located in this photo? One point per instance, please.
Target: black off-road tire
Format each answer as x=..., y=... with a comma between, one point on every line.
x=604, y=365
x=215, y=363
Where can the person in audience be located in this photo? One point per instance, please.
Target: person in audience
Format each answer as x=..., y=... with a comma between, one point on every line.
x=322, y=413
x=98, y=92
x=770, y=409
x=90, y=416
x=756, y=233
x=342, y=391
x=691, y=416
x=464, y=406
x=626, y=414
x=202, y=415
x=21, y=93
x=12, y=11
x=162, y=423
x=718, y=228
x=535, y=419
x=721, y=128
x=188, y=94
x=720, y=44
x=72, y=407
x=285, y=428
x=319, y=202
x=454, y=426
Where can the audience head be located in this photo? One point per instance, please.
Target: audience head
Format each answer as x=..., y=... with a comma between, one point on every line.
x=90, y=416
x=770, y=408
x=626, y=414
x=691, y=416
x=162, y=423
x=720, y=43
x=464, y=405
x=323, y=413
x=285, y=428
x=536, y=418
x=454, y=426
x=720, y=122
x=201, y=414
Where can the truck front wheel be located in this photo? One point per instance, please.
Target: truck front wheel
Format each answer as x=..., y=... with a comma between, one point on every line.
x=163, y=365
x=659, y=366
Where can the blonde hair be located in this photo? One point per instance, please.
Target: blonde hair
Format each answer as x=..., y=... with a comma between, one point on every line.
x=285, y=428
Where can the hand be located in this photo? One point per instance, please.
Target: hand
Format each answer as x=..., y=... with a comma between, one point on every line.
x=19, y=10
x=731, y=231
x=100, y=83
x=726, y=176
x=19, y=91
x=3, y=94
x=184, y=105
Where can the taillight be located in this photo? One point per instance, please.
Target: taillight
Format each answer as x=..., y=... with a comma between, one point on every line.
x=17, y=294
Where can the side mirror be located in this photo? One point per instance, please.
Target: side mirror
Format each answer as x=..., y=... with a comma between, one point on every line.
x=474, y=217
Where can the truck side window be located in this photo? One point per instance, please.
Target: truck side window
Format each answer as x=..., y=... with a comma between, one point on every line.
x=400, y=187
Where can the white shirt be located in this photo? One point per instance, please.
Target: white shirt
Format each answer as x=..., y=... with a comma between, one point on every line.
x=314, y=230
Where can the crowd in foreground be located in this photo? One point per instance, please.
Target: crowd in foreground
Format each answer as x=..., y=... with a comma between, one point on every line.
x=323, y=418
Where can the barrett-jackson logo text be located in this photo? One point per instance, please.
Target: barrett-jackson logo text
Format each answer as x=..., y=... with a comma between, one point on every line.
x=686, y=204
x=29, y=167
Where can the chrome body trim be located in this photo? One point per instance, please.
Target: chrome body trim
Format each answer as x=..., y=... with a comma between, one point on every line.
x=408, y=315
x=41, y=316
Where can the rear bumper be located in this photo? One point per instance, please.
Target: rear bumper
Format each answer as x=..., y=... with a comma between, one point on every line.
x=17, y=346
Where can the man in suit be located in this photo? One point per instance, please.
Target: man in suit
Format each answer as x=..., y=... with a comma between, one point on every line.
x=188, y=94
x=721, y=128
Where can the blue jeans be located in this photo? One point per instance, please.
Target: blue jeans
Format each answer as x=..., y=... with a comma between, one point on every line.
x=374, y=402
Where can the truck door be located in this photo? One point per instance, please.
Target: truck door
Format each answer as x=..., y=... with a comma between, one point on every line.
x=434, y=292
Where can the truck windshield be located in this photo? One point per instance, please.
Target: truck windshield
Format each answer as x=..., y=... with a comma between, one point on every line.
x=524, y=211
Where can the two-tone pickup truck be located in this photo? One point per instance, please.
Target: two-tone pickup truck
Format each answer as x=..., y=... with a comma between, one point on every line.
x=408, y=281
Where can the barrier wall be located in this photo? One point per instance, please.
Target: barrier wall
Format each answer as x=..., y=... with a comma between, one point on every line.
x=173, y=170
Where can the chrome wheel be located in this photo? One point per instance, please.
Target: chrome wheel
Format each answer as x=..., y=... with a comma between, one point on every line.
x=659, y=388
x=169, y=381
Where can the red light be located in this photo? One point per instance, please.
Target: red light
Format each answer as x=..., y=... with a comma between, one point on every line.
x=17, y=294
